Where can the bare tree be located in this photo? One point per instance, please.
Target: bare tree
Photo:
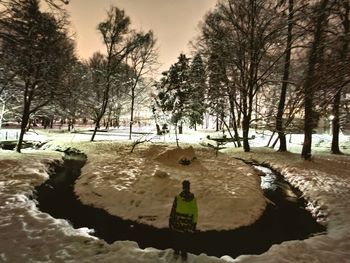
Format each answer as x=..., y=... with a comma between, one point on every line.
x=343, y=14
x=38, y=51
x=142, y=61
x=6, y=87
x=114, y=31
x=250, y=32
x=57, y=3
x=72, y=105
x=285, y=79
x=321, y=13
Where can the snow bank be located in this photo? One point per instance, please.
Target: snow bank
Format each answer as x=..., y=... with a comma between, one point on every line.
x=28, y=235
x=325, y=183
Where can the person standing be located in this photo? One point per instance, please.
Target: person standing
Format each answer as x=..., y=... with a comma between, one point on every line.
x=183, y=219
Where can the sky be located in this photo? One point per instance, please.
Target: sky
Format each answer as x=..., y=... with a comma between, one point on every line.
x=174, y=23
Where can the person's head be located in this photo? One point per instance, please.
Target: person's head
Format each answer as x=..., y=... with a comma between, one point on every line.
x=186, y=185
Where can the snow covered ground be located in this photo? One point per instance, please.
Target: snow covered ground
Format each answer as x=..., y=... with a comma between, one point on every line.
x=142, y=186
x=28, y=235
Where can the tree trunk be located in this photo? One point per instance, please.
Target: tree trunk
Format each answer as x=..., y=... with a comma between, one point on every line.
x=158, y=129
x=308, y=85
x=217, y=122
x=275, y=142
x=335, y=124
x=176, y=138
x=181, y=128
x=229, y=131
x=97, y=125
x=281, y=104
x=104, y=106
x=337, y=99
x=245, y=128
x=107, y=122
x=239, y=114
x=2, y=113
x=132, y=111
x=235, y=128
x=248, y=90
x=24, y=123
x=271, y=137
x=29, y=123
x=245, y=121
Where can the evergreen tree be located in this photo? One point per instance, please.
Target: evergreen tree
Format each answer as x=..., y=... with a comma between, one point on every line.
x=179, y=87
x=216, y=100
x=197, y=89
x=173, y=92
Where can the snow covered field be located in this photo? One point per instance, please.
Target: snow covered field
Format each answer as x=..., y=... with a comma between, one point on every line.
x=28, y=235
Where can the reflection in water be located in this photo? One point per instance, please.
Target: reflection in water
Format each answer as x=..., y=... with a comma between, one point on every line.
x=271, y=183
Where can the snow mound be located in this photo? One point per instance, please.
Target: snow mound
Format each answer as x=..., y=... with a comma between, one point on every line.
x=177, y=156
x=142, y=186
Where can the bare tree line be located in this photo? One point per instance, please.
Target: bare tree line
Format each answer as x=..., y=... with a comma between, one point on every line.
x=255, y=49
x=40, y=70
x=280, y=65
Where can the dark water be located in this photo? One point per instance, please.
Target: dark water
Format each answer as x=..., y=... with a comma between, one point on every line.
x=285, y=220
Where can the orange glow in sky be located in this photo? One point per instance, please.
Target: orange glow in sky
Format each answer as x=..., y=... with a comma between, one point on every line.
x=174, y=23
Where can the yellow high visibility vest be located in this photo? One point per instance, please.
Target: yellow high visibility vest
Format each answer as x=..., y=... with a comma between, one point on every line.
x=188, y=208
